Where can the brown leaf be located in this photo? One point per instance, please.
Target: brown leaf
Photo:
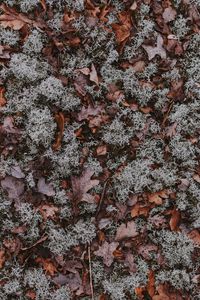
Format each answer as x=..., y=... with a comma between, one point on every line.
x=48, y=211
x=14, y=186
x=158, y=50
x=126, y=231
x=101, y=150
x=169, y=14
x=2, y=98
x=93, y=75
x=45, y=188
x=174, y=220
x=145, y=250
x=139, y=210
x=106, y=251
x=157, y=197
x=162, y=293
x=85, y=113
x=81, y=185
x=151, y=283
x=196, y=177
x=2, y=258
x=123, y=30
x=31, y=294
x=12, y=22
x=195, y=236
x=47, y=265
x=60, y=120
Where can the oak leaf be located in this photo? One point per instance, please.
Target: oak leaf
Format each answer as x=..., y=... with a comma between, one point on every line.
x=14, y=187
x=106, y=251
x=158, y=50
x=45, y=188
x=81, y=185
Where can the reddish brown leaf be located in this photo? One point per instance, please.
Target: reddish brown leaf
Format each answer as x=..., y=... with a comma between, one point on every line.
x=174, y=220
x=60, y=120
x=196, y=177
x=106, y=252
x=31, y=294
x=151, y=283
x=47, y=265
x=157, y=197
x=2, y=258
x=2, y=98
x=195, y=236
x=101, y=150
x=48, y=211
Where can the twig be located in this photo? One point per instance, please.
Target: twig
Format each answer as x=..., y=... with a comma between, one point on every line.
x=102, y=197
x=90, y=270
x=42, y=239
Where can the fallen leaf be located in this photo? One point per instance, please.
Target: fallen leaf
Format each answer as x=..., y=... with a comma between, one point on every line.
x=12, y=22
x=106, y=251
x=31, y=294
x=47, y=265
x=196, y=177
x=158, y=50
x=169, y=14
x=60, y=120
x=126, y=231
x=8, y=126
x=123, y=30
x=162, y=293
x=45, y=188
x=89, y=111
x=195, y=236
x=48, y=211
x=81, y=185
x=133, y=6
x=175, y=219
x=2, y=258
x=139, y=210
x=17, y=172
x=151, y=283
x=14, y=187
x=2, y=98
x=93, y=75
x=145, y=250
x=101, y=150
x=157, y=197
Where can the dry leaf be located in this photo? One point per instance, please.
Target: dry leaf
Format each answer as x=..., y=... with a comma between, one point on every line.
x=133, y=6
x=123, y=30
x=126, y=231
x=12, y=22
x=151, y=283
x=158, y=50
x=139, y=210
x=45, y=188
x=81, y=185
x=169, y=14
x=17, y=172
x=195, y=236
x=31, y=294
x=101, y=150
x=60, y=120
x=47, y=265
x=93, y=75
x=14, y=187
x=196, y=177
x=106, y=251
x=2, y=98
x=2, y=258
x=85, y=113
x=175, y=219
x=157, y=197
x=48, y=211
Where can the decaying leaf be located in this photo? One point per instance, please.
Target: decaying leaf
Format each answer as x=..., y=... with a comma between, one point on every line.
x=93, y=75
x=158, y=50
x=106, y=251
x=17, y=172
x=195, y=236
x=14, y=186
x=169, y=14
x=60, y=120
x=86, y=112
x=48, y=211
x=81, y=185
x=45, y=188
x=126, y=231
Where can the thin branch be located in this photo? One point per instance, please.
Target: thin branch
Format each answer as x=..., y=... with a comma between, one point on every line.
x=90, y=270
x=101, y=199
